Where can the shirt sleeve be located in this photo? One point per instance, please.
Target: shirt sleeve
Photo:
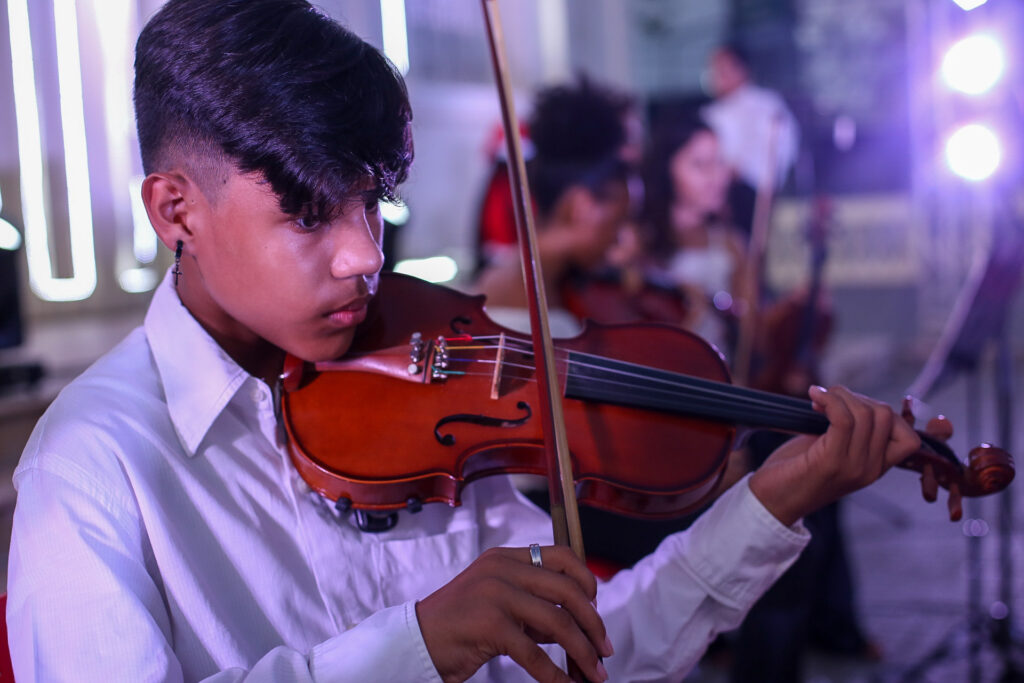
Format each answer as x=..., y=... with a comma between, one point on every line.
x=84, y=606
x=662, y=614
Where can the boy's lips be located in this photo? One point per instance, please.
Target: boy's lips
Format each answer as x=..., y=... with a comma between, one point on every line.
x=351, y=313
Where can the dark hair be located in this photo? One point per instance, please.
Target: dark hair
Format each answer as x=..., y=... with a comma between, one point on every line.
x=274, y=87
x=577, y=133
x=659, y=189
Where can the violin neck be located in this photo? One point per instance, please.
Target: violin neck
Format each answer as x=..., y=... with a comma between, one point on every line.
x=607, y=380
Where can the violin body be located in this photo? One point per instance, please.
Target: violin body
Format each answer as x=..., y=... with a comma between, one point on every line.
x=390, y=431
x=434, y=394
x=611, y=297
x=793, y=332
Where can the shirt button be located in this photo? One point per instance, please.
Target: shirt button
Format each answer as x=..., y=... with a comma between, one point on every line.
x=258, y=394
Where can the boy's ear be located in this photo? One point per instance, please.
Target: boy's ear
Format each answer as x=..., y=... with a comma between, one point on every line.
x=166, y=198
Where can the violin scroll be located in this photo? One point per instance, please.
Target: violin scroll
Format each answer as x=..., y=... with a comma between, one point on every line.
x=988, y=469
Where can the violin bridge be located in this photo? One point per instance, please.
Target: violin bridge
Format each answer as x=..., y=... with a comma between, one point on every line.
x=499, y=360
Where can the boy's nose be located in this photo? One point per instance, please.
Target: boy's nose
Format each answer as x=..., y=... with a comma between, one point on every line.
x=357, y=251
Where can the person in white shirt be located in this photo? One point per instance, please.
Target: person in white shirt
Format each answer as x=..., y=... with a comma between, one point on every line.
x=757, y=132
x=161, y=533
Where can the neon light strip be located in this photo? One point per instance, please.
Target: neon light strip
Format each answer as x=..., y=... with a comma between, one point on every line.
x=34, y=186
x=396, y=37
x=114, y=23
x=76, y=156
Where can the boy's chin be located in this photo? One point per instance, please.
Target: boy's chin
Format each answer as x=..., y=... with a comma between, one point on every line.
x=328, y=349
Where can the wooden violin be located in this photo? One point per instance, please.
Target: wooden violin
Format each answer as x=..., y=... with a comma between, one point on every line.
x=446, y=396
x=613, y=295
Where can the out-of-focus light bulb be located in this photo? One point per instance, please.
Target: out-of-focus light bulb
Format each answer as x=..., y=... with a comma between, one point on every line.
x=974, y=64
x=973, y=152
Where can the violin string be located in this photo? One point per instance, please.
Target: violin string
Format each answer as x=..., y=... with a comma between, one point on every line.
x=698, y=387
x=673, y=387
x=679, y=382
x=654, y=396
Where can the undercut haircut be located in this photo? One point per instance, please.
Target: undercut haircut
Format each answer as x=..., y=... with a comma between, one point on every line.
x=577, y=132
x=275, y=88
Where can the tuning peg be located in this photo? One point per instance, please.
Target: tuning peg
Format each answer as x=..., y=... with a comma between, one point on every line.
x=955, y=503
x=939, y=427
x=929, y=484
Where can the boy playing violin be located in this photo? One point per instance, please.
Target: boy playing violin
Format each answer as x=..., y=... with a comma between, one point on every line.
x=161, y=533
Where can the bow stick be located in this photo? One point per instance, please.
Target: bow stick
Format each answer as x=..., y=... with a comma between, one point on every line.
x=565, y=514
x=565, y=518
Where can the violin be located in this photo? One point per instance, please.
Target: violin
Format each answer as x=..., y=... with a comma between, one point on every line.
x=447, y=396
x=614, y=295
x=795, y=329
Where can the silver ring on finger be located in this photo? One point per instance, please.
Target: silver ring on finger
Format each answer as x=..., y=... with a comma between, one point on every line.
x=535, y=559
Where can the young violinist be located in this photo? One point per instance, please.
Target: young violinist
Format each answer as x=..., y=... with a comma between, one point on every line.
x=580, y=174
x=161, y=533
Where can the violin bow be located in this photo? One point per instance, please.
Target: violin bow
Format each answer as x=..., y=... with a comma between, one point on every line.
x=565, y=514
x=755, y=258
x=565, y=518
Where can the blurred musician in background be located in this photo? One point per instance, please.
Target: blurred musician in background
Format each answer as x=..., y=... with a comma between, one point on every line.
x=580, y=185
x=693, y=240
x=756, y=130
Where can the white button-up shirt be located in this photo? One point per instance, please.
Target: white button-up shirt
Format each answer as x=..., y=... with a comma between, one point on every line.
x=743, y=121
x=162, y=534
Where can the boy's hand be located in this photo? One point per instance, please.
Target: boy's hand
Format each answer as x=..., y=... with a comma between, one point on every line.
x=864, y=440
x=503, y=605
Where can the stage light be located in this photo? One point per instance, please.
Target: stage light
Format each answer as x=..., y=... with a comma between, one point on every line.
x=395, y=214
x=33, y=171
x=973, y=152
x=968, y=5
x=974, y=64
x=433, y=269
x=396, y=33
x=10, y=238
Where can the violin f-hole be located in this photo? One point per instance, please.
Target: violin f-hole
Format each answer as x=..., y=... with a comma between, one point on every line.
x=480, y=420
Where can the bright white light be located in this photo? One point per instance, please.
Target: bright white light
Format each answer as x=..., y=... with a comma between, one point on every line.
x=135, y=280
x=143, y=236
x=973, y=152
x=968, y=5
x=395, y=214
x=433, y=269
x=10, y=238
x=34, y=186
x=974, y=64
x=396, y=37
x=114, y=24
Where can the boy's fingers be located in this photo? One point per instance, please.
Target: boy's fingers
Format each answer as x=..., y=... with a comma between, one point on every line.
x=558, y=589
x=562, y=559
x=562, y=628
x=534, y=661
x=903, y=443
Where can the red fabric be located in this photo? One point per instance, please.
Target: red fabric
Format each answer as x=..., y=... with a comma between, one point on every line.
x=6, y=670
x=601, y=568
x=497, y=215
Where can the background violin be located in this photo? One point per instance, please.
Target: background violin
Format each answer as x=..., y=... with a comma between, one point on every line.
x=448, y=396
x=794, y=330
x=616, y=295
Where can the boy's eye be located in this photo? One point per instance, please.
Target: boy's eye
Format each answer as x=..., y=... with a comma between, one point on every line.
x=308, y=222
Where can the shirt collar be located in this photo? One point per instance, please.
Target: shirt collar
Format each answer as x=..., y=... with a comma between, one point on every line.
x=198, y=376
